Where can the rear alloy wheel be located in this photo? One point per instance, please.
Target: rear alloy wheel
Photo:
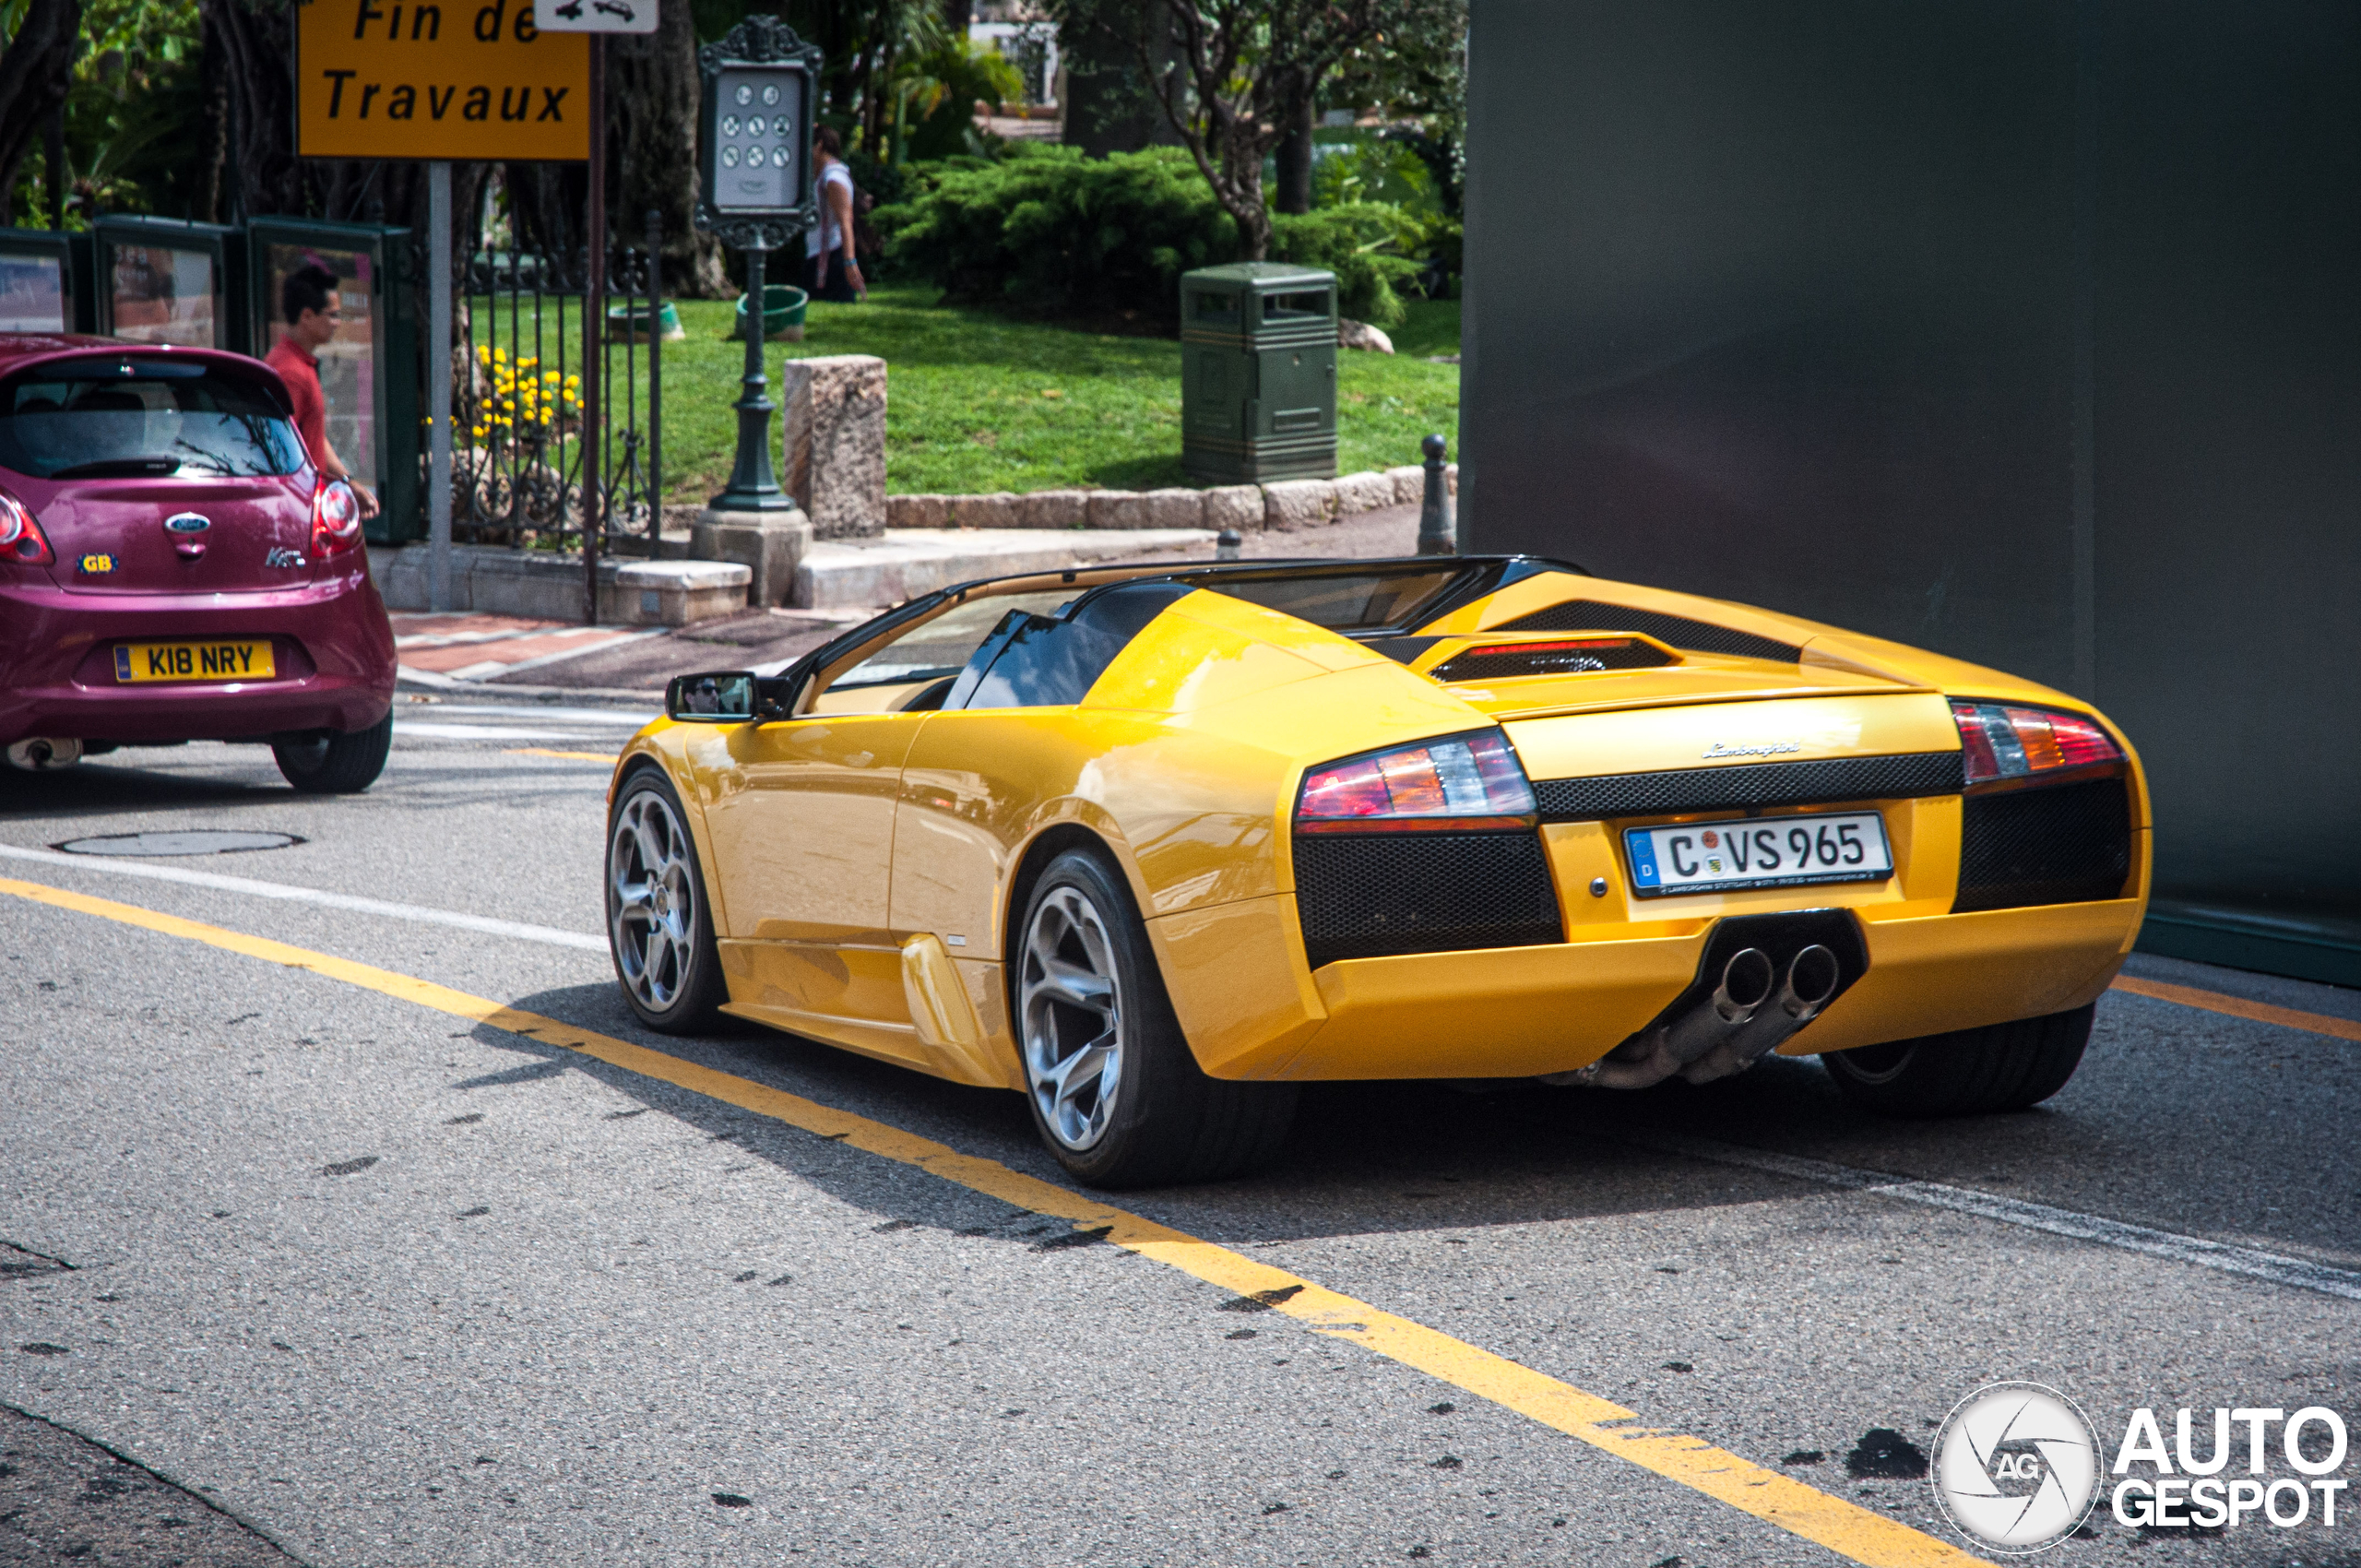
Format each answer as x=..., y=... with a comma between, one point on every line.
x=1114, y=1089
x=1968, y=1072
x=660, y=927
x=336, y=764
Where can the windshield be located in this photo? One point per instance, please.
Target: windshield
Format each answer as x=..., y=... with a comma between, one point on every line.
x=66, y=420
x=1344, y=601
x=942, y=646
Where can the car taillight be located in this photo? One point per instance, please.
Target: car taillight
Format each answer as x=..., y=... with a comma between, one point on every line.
x=336, y=518
x=2006, y=741
x=1465, y=783
x=21, y=539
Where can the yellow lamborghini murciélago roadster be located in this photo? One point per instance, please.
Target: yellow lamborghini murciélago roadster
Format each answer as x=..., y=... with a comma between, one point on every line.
x=1154, y=845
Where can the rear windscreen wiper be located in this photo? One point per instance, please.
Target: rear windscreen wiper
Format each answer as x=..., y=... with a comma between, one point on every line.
x=120, y=467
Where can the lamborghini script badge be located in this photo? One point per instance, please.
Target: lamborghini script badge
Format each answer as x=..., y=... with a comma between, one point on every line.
x=1769, y=748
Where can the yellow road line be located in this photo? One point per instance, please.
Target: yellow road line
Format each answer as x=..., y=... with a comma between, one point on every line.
x=1843, y=1528
x=2239, y=1007
x=569, y=757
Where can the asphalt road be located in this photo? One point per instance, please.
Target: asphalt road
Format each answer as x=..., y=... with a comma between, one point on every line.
x=305, y=1265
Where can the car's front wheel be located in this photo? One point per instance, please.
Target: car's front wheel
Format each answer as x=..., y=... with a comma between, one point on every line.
x=1968, y=1072
x=336, y=764
x=1115, y=1091
x=659, y=926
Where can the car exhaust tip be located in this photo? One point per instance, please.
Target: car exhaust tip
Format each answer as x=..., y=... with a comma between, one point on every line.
x=1813, y=976
x=1747, y=981
x=44, y=754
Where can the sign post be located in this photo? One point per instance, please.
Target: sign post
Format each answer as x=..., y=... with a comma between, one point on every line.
x=755, y=192
x=596, y=19
x=438, y=395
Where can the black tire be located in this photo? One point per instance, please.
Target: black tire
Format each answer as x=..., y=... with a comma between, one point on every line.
x=666, y=959
x=336, y=764
x=1166, y=1120
x=1968, y=1072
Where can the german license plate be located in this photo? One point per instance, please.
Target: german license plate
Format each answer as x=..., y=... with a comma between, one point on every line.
x=193, y=661
x=1777, y=852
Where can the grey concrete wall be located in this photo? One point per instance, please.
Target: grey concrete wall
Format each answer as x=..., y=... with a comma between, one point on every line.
x=2027, y=330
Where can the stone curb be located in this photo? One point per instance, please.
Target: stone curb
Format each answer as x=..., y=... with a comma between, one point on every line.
x=1284, y=505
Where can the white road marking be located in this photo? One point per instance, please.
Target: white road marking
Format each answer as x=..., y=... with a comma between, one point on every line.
x=623, y=719
x=2251, y=1262
x=287, y=892
x=429, y=730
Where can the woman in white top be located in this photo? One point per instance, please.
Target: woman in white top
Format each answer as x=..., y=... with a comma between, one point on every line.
x=830, y=270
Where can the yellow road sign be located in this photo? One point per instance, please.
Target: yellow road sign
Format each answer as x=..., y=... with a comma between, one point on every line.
x=439, y=79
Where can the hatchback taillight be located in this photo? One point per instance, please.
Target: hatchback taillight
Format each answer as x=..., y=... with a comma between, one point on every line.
x=2006, y=741
x=21, y=539
x=1468, y=783
x=336, y=518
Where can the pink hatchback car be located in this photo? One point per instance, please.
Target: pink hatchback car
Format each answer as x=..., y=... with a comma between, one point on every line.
x=173, y=569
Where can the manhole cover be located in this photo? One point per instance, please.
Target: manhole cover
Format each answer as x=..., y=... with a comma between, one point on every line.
x=201, y=841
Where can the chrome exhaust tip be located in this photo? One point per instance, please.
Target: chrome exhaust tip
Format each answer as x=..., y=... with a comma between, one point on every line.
x=42, y=754
x=1745, y=985
x=1812, y=978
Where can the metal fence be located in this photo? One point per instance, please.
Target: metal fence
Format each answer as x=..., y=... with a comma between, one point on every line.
x=524, y=457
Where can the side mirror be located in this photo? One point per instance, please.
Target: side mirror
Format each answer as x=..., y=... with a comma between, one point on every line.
x=715, y=697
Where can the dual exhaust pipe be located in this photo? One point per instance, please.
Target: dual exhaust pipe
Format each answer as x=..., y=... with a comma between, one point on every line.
x=1754, y=1007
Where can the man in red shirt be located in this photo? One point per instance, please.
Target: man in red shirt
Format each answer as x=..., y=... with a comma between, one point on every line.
x=308, y=299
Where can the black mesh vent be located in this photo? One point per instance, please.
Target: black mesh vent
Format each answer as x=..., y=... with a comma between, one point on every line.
x=1900, y=777
x=1368, y=896
x=1500, y=660
x=1703, y=636
x=2069, y=844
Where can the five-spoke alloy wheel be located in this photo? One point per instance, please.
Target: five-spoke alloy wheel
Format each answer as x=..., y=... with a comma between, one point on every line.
x=1072, y=1016
x=658, y=923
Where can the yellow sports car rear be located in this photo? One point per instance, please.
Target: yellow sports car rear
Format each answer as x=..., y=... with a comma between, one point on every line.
x=1153, y=844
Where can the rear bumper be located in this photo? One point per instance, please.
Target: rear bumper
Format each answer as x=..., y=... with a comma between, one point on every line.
x=1524, y=1012
x=330, y=640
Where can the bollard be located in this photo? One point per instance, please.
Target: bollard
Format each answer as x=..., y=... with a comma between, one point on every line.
x=1225, y=548
x=1436, y=534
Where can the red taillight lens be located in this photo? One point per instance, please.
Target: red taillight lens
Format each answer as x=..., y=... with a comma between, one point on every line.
x=21, y=539
x=336, y=518
x=1468, y=782
x=2003, y=742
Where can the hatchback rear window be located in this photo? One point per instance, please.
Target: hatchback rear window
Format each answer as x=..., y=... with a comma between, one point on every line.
x=126, y=419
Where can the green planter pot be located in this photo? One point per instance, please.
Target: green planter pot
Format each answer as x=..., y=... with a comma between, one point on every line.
x=782, y=313
x=628, y=324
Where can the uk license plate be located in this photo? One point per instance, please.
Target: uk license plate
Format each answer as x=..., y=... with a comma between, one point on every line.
x=1778, y=852
x=193, y=661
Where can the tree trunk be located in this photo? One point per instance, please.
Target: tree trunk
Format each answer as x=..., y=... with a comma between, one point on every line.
x=35, y=70
x=1295, y=160
x=652, y=102
x=257, y=56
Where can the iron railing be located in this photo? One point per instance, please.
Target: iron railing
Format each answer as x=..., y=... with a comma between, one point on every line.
x=519, y=473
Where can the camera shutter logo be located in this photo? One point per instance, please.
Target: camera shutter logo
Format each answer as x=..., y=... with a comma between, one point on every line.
x=2016, y=1466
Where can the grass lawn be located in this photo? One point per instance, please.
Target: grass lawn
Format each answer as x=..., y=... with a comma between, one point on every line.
x=977, y=402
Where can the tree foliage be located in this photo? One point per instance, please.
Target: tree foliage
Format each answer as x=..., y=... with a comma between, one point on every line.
x=1232, y=76
x=35, y=69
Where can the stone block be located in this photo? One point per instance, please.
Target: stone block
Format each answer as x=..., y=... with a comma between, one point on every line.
x=1236, y=506
x=997, y=510
x=832, y=419
x=1299, y=503
x=918, y=511
x=769, y=545
x=1363, y=492
x=1054, y=510
x=672, y=593
x=1409, y=484
x=1175, y=508
x=1118, y=509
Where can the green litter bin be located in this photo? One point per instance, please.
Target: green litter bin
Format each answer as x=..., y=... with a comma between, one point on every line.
x=628, y=324
x=782, y=313
x=1258, y=372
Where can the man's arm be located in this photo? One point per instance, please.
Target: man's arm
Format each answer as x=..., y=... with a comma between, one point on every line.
x=333, y=465
x=840, y=203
